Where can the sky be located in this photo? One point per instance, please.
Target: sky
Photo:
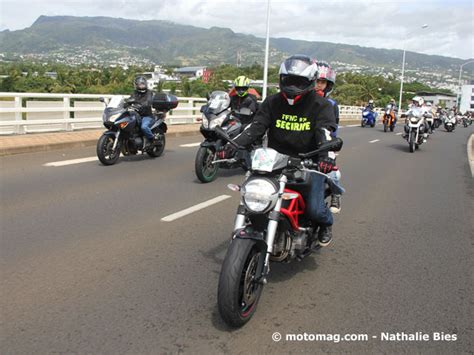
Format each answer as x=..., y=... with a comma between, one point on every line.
x=368, y=23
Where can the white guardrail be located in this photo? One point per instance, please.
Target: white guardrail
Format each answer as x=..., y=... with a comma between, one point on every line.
x=22, y=113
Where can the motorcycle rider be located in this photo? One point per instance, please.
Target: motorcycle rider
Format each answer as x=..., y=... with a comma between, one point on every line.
x=296, y=120
x=144, y=97
x=393, y=108
x=417, y=103
x=325, y=81
x=241, y=96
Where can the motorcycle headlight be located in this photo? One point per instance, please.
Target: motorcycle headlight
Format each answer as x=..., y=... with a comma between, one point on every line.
x=259, y=195
x=111, y=118
x=216, y=122
x=205, y=121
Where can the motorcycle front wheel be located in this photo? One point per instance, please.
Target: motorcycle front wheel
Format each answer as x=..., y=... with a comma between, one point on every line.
x=385, y=126
x=412, y=142
x=106, y=155
x=238, y=290
x=205, y=170
x=362, y=123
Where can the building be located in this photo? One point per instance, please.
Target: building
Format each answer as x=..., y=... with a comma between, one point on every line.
x=154, y=77
x=439, y=98
x=190, y=72
x=467, y=98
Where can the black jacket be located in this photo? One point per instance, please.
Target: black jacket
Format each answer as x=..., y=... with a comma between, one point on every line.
x=145, y=100
x=248, y=101
x=292, y=129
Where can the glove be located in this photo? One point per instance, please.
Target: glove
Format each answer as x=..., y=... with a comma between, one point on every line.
x=326, y=165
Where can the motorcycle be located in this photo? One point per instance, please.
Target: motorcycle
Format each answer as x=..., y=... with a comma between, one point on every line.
x=270, y=226
x=415, y=129
x=450, y=122
x=430, y=122
x=388, y=119
x=368, y=118
x=466, y=120
x=210, y=157
x=439, y=119
x=123, y=123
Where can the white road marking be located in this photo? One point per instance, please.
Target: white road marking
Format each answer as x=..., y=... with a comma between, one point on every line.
x=195, y=208
x=190, y=145
x=375, y=140
x=399, y=133
x=353, y=125
x=71, y=162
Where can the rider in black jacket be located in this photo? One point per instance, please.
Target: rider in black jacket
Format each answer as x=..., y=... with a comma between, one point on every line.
x=144, y=98
x=297, y=120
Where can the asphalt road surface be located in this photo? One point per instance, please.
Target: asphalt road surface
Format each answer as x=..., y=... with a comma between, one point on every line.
x=89, y=266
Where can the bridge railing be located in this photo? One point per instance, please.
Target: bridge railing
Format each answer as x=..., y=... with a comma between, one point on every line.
x=39, y=112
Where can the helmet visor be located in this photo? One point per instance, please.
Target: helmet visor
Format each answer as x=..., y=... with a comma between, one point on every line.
x=294, y=81
x=241, y=90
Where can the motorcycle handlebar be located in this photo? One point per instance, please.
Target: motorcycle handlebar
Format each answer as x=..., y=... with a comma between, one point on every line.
x=226, y=137
x=334, y=145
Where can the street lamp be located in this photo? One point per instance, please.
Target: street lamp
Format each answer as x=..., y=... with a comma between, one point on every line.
x=459, y=83
x=403, y=68
x=267, y=45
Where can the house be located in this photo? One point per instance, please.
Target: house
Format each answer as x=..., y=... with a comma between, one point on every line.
x=190, y=72
x=467, y=98
x=439, y=98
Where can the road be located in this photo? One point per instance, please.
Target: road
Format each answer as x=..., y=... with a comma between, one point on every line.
x=89, y=266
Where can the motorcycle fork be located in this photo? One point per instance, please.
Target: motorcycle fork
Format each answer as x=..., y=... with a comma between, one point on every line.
x=116, y=141
x=274, y=218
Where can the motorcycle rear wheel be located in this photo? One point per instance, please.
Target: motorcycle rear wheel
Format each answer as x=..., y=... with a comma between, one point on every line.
x=238, y=292
x=205, y=170
x=158, y=147
x=385, y=126
x=104, y=150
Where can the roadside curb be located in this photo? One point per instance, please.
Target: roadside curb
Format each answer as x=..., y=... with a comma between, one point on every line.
x=42, y=142
x=74, y=142
x=470, y=153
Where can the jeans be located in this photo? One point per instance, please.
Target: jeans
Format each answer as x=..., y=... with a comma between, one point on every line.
x=336, y=176
x=316, y=208
x=146, y=123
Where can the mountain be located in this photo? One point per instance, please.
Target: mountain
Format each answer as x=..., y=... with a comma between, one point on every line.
x=164, y=42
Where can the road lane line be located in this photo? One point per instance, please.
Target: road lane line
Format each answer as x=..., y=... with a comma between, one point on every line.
x=353, y=125
x=190, y=145
x=70, y=162
x=194, y=208
x=375, y=140
x=399, y=133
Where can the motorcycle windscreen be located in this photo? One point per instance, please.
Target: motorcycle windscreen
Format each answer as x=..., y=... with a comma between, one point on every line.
x=268, y=159
x=218, y=102
x=116, y=102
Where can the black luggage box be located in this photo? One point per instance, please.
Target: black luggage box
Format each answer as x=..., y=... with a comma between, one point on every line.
x=164, y=102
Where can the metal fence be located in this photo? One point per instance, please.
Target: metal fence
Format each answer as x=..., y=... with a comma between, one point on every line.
x=22, y=113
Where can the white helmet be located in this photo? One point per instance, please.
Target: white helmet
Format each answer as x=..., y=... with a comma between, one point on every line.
x=419, y=100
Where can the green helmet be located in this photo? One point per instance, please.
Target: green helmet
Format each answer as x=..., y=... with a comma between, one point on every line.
x=241, y=85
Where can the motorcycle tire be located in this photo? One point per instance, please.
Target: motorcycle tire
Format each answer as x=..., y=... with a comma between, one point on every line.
x=158, y=146
x=372, y=125
x=205, y=171
x=238, y=294
x=412, y=143
x=385, y=126
x=392, y=127
x=362, y=124
x=104, y=150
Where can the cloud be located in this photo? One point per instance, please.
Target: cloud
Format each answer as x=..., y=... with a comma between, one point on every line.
x=371, y=23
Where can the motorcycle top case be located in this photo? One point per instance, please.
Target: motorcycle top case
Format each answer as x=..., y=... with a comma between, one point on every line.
x=164, y=102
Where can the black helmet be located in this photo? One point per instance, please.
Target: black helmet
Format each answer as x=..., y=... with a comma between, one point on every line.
x=141, y=84
x=297, y=77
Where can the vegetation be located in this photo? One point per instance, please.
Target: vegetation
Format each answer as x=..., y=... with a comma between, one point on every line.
x=351, y=88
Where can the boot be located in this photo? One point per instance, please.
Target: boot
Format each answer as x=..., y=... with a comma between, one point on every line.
x=325, y=235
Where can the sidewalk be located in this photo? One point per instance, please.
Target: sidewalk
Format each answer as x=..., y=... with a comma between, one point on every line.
x=36, y=142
